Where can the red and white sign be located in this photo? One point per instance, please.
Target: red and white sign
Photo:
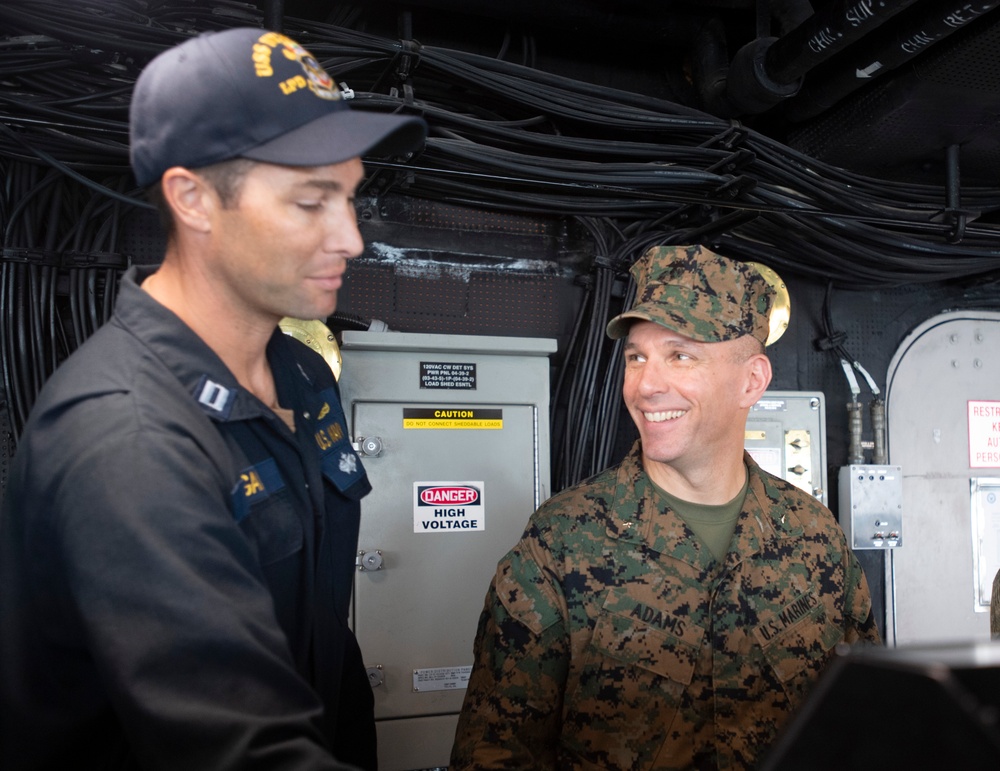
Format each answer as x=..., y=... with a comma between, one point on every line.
x=448, y=507
x=984, y=434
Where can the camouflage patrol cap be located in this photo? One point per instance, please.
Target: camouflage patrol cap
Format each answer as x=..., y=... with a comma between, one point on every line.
x=697, y=293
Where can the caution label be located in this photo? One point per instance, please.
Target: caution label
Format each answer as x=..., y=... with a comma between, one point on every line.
x=441, y=679
x=448, y=507
x=452, y=417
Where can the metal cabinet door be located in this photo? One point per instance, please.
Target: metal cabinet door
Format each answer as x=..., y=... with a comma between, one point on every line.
x=419, y=595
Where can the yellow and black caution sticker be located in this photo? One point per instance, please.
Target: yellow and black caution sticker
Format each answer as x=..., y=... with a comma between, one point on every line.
x=452, y=417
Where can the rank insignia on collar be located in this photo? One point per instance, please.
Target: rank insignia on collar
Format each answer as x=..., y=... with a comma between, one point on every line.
x=214, y=397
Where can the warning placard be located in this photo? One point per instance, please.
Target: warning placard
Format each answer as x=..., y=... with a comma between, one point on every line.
x=448, y=507
x=441, y=678
x=448, y=374
x=452, y=417
x=984, y=434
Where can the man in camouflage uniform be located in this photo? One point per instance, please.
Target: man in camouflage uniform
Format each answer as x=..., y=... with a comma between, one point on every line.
x=671, y=612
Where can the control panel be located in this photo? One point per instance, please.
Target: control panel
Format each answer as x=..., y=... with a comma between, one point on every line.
x=785, y=435
x=871, y=506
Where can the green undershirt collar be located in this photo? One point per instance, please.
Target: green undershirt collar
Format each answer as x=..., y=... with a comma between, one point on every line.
x=713, y=524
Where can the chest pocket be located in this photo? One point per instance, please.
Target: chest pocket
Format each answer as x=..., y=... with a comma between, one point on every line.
x=263, y=509
x=798, y=641
x=640, y=662
x=638, y=633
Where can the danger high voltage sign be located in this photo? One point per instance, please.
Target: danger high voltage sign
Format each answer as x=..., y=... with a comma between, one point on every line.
x=448, y=507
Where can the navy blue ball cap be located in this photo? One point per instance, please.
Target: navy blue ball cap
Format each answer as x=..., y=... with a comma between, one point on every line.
x=251, y=93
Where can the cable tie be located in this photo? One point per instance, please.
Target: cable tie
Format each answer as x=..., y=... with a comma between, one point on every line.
x=721, y=225
x=409, y=59
x=835, y=340
x=733, y=136
x=76, y=259
x=31, y=256
x=90, y=55
x=735, y=187
x=603, y=260
x=956, y=226
x=733, y=162
x=620, y=289
x=346, y=91
x=948, y=215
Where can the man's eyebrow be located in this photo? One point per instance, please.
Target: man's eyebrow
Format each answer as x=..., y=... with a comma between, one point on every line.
x=325, y=183
x=322, y=184
x=672, y=343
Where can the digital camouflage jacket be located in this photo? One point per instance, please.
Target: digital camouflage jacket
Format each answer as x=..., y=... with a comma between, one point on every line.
x=612, y=639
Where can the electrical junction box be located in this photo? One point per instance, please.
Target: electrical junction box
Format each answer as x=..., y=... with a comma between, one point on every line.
x=453, y=431
x=786, y=436
x=871, y=506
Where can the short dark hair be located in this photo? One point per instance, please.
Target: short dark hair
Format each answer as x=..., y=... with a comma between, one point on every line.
x=747, y=346
x=225, y=177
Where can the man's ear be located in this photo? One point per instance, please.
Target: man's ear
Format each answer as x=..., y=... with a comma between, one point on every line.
x=758, y=378
x=191, y=199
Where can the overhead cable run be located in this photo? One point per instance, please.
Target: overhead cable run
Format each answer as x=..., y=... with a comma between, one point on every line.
x=504, y=137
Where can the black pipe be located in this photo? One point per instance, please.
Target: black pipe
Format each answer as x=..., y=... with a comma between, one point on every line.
x=274, y=15
x=883, y=52
x=752, y=91
x=750, y=88
x=769, y=70
x=954, y=215
x=710, y=68
x=825, y=34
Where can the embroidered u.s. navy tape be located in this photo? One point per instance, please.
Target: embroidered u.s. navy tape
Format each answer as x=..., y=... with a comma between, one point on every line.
x=341, y=465
x=256, y=483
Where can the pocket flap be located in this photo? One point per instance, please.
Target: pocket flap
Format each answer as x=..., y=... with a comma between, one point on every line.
x=798, y=636
x=634, y=639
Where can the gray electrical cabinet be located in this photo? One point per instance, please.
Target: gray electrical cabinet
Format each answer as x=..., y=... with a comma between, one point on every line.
x=454, y=433
x=786, y=436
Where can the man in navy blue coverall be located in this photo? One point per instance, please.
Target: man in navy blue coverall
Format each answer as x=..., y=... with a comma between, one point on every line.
x=178, y=535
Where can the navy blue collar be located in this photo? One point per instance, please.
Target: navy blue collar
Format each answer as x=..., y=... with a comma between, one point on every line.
x=201, y=372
